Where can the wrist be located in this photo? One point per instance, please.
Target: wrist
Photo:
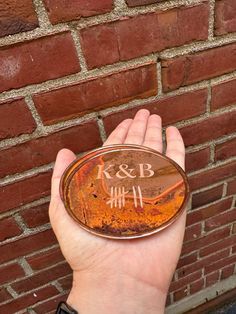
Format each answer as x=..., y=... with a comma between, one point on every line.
x=97, y=294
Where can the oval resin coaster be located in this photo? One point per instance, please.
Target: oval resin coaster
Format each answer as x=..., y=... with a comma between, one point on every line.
x=124, y=191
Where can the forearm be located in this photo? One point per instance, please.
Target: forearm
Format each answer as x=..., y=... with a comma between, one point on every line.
x=114, y=294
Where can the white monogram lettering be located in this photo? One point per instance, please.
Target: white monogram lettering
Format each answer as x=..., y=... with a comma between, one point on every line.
x=148, y=169
x=126, y=171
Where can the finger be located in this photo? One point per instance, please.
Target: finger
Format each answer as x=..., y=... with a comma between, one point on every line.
x=175, y=146
x=64, y=158
x=153, y=136
x=119, y=134
x=138, y=127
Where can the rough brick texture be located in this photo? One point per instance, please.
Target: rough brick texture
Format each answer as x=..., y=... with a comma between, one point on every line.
x=225, y=17
x=37, y=61
x=62, y=11
x=144, y=34
x=15, y=119
x=17, y=16
x=69, y=73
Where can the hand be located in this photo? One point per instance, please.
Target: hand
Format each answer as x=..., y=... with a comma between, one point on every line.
x=113, y=276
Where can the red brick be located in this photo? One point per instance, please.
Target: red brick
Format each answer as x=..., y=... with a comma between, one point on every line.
x=225, y=150
x=45, y=259
x=133, y=37
x=192, y=232
x=97, y=93
x=176, y=285
x=41, y=278
x=208, y=211
x=26, y=245
x=60, y=11
x=197, y=160
x=4, y=295
x=205, y=240
x=37, y=61
x=9, y=228
x=208, y=260
x=180, y=294
x=28, y=300
x=209, y=129
x=17, y=16
x=227, y=272
x=193, y=68
x=66, y=283
x=168, y=300
x=171, y=109
x=10, y=272
x=220, y=264
x=220, y=220
x=15, y=119
x=234, y=249
x=220, y=245
x=186, y=260
x=231, y=189
x=36, y=216
x=225, y=17
x=212, y=176
x=43, y=150
x=49, y=305
x=24, y=191
x=223, y=95
x=208, y=196
x=212, y=278
x=133, y=3
x=196, y=286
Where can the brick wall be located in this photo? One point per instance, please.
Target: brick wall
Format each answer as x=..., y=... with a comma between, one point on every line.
x=68, y=75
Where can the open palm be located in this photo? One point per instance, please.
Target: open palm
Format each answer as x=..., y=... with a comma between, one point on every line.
x=148, y=261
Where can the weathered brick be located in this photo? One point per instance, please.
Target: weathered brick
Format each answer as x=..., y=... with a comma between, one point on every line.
x=66, y=283
x=15, y=119
x=171, y=109
x=94, y=94
x=198, y=265
x=180, y=294
x=60, y=11
x=4, y=295
x=231, y=189
x=176, y=285
x=223, y=95
x=220, y=264
x=24, y=191
x=192, y=232
x=10, y=272
x=193, y=68
x=225, y=150
x=205, y=240
x=45, y=259
x=219, y=245
x=49, y=305
x=227, y=271
x=28, y=300
x=133, y=3
x=9, y=228
x=212, y=176
x=17, y=16
x=37, y=61
x=220, y=220
x=212, y=278
x=208, y=211
x=35, y=216
x=225, y=16
x=209, y=129
x=186, y=260
x=43, y=150
x=41, y=278
x=197, y=286
x=133, y=37
x=26, y=245
x=208, y=196
x=197, y=160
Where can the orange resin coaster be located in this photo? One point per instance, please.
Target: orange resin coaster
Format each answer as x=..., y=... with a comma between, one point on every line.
x=124, y=191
